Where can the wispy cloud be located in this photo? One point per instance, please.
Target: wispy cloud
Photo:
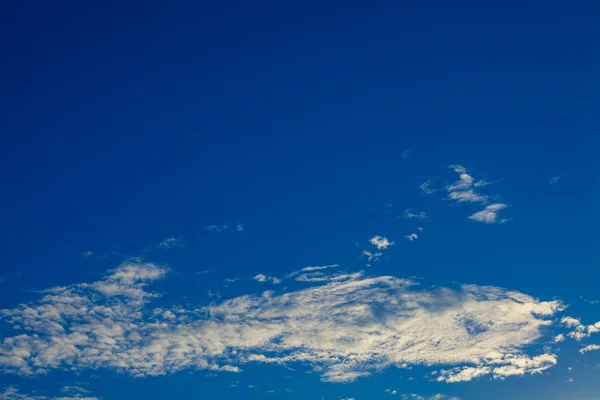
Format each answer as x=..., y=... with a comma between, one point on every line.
x=427, y=187
x=588, y=348
x=172, y=242
x=406, y=153
x=439, y=396
x=489, y=214
x=344, y=327
x=412, y=237
x=381, y=242
x=466, y=190
x=239, y=227
x=371, y=256
x=74, y=390
x=554, y=180
x=86, y=254
x=217, y=228
x=204, y=271
x=12, y=393
x=409, y=214
x=263, y=279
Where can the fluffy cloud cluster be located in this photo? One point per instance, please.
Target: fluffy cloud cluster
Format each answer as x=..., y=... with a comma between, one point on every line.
x=344, y=326
x=466, y=190
x=579, y=331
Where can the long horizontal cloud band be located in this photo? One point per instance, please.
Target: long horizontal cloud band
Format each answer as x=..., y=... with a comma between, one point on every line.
x=345, y=327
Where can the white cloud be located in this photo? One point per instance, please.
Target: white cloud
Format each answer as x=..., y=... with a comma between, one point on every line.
x=73, y=390
x=217, y=228
x=381, y=242
x=591, y=347
x=489, y=214
x=86, y=254
x=412, y=236
x=467, y=196
x=559, y=338
x=426, y=187
x=439, y=396
x=465, y=190
x=204, y=271
x=240, y=227
x=406, y=153
x=579, y=331
x=172, y=242
x=344, y=326
x=263, y=279
x=408, y=214
x=316, y=268
x=459, y=169
x=372, y=256
x=12, y=393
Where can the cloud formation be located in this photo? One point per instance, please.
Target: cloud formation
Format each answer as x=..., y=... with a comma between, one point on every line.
x=588, y=348
x=344, y=326
x=408, y=214
x=12, y=393
x=427, y=187
x=412, y=236
x=466, y=190
x=579, y=331
x=381, y=242
x=172, y=242
x=263, y=279
x=489, y=214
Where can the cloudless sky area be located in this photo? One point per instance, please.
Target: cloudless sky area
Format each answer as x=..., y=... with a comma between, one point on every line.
x=221, y=141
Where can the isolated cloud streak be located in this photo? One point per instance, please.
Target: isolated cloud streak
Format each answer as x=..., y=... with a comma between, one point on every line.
x=347, y=326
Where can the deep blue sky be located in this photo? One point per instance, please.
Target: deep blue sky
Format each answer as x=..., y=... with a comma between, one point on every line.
x=123, y=125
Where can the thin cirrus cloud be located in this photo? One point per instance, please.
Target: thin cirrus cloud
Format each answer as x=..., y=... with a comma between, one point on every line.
x=13, y=393
x=219, y=228
x=409, y=214
x=172, y=242
x=427, y=187
x=466, y=190
x=344, y=326
x=414, y=396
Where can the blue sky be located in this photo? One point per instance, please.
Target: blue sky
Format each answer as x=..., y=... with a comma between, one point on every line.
x=299, y=200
